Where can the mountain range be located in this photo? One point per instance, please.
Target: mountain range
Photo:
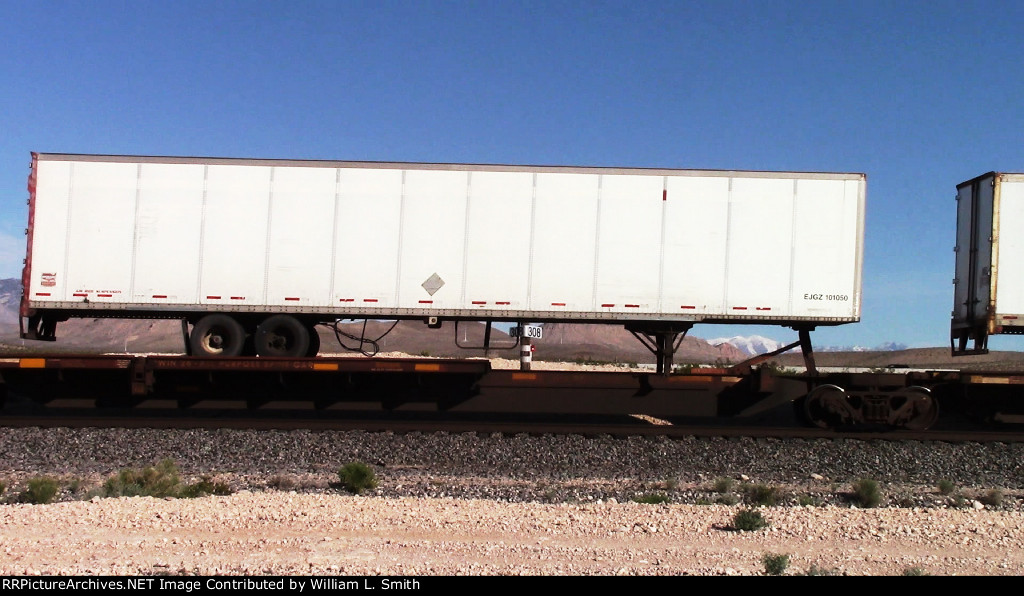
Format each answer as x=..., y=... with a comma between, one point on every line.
x=595, y=343
x=561, y=341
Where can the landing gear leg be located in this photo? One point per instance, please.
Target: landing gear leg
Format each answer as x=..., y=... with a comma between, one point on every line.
x=662, y=342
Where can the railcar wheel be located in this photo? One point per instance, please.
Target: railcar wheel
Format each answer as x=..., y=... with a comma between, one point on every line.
x=914, y=408
x=282, y=336
x=827, y=407
x=217, y=335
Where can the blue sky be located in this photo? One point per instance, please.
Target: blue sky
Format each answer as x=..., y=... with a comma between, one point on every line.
x=918, y=95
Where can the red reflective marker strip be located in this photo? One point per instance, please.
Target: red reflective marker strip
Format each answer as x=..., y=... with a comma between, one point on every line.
x=159, y=296
x=503, y=303
x=213, y=297
x=79, y=294
x=664, y=195
x=290, y=298
x=346, y=299
x=105, y=295
x=479, y=302
x=607, y=305
x=557, y=304
x=687, y=306
x=632, y=306
x=426, y=301
x=763, y=308
x=42, y=293
x=369, y=299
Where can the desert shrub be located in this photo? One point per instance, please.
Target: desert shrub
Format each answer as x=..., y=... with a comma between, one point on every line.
x=723, y=485
x=820, y=571
x=913, y=572
x=775, y=564
x=40, y=490
x=3, y=488
x=867, y=493
x=749, y=520
x=808, y=501
x=760, y=494
x=728, y=499
x=669, y=484
x=282, y=482
x=357, y=476
x=992, y=498
x=946, y=486
x=203, y=488
x=161, y=480
x=652, y=498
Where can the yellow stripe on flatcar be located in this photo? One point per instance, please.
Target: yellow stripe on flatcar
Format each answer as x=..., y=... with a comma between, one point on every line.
x=428, y=367
x=325, y=366
x=32, y=363
x=524, y=376
x=991, y=380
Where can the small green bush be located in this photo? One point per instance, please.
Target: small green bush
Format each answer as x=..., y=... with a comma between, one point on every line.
x=203, y=488
x=993, y=498
x=161, y=480
x=946, y=487
x=867, y=493
x=760, y=494
x=282, y=482
x=723, y=485
x=775, y=564
x=357, y=476
x=40, y=490
x=728, y=499
x=749, y=520
x=808, y=501
x=669, y=484
x=913, y=572
x=820, y=571
x=652, y=498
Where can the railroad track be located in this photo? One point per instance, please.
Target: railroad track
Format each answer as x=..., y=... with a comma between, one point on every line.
x=427, y=422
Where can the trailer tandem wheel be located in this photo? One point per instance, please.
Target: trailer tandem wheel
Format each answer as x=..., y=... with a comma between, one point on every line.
x=283, y=336
x=217, y=335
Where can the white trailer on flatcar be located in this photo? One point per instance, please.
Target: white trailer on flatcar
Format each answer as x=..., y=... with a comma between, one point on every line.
x=269, y=248
x=988, y=294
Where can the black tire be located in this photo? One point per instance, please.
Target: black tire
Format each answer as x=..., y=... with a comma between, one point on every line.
x=217, y=335
x=282, y=336
x=314, y=342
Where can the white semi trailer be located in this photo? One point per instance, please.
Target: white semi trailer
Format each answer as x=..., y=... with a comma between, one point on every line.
x=252, y=253
x=988, y=293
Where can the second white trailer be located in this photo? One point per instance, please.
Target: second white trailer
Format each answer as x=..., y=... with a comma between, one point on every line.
x=314, y=241
x=989, y=280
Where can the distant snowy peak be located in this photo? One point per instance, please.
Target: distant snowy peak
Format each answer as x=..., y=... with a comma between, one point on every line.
x=890, y=346
x=751, y=345
x=755, y=344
